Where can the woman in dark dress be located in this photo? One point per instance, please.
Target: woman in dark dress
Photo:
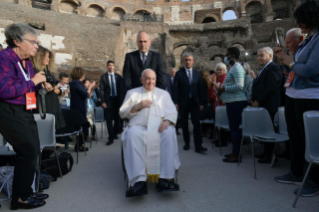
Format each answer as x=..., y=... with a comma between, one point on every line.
x=44, y=61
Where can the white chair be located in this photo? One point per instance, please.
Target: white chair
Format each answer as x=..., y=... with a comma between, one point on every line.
x=99, y=118
x=282, y=121
x=221, y=122
x=46, y=130
x=311, y=122
x=276, y=119
x=4, y=151
x=257, y=125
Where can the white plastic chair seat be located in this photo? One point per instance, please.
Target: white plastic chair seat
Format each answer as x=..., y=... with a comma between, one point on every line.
x=4, y=151
x=277, y=137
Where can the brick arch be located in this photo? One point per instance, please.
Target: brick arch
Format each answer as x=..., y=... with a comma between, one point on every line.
x=182, y=43
x=119, y=7
x=71, y=1
x=231, y=8
x=209, y=15
x=214, y=43
x=97, y=5
x=262, y=3
x=142, y=9
x=237, y=42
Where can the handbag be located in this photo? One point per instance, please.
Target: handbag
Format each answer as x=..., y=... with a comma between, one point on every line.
x=6, y=179
x=50, y=165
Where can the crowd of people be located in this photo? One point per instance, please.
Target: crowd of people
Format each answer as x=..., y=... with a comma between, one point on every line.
x=138, y=96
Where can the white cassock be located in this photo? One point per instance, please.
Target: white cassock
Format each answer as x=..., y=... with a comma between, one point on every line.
x=148, y=153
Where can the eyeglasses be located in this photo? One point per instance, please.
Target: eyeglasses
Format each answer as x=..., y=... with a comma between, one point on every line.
x=33, y=42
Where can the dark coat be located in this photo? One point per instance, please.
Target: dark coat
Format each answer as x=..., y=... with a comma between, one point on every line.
x=133, y=68
x=79, y=96
x=105, y=89
x=267, y=87
x=183, y=88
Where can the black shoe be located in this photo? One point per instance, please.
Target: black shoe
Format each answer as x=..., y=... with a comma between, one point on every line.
x=201, y=149
x=81, y=149
x=31, y=203
x=40, y=196
x=115, y=136
x=228, y=155
x=262, y=155
x=165, y=185
x=139, y=189
x=186, y=147
x=232, y=159
x=109, y=143
x=265, y=159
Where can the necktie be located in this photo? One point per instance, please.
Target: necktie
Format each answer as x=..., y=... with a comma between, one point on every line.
x=112, y=86
x=190, y=82
x=144, y=59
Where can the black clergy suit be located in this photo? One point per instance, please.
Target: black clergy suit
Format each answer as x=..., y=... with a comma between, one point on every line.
x=189, y=104
x=113, y=103
x=133, y=68
x=266, y=90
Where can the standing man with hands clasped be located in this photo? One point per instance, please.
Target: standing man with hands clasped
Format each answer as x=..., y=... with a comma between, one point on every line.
x=143, y=58
x=111, y=89
x=189, y=99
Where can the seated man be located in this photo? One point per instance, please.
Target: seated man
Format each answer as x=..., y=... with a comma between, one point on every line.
x=149, y=141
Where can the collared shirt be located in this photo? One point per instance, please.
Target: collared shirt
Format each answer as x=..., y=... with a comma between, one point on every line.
x=114, y=80
x=191, y=72
x=263, y=69
x=141, y=55
x=13, y=80
x=172, y=79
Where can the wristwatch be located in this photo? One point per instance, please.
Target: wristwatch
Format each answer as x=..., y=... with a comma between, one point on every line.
x=291, y=64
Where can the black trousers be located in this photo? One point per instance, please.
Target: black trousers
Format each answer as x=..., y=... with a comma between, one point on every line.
x=184, y=110
x=269, y=147
x=19, y=128
x=112, y=114
x=294, y=109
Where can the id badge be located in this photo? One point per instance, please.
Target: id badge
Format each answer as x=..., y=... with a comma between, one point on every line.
x=289, y=79
x=31, y=100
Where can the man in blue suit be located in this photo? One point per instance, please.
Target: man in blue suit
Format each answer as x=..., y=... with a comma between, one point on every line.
x=188, y=99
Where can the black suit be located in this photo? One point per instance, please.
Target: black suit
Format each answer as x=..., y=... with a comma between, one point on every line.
x=113, y=103
x=266, y=91
x=169, y=85
x=189, y=105
x=133, y=68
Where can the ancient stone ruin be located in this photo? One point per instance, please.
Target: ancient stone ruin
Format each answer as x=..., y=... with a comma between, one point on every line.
x=87, y=33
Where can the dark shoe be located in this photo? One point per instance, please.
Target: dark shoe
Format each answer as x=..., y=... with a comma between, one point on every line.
x=309, y=189
x=31, y=203
x=81, y=149
x=289, y=178
x=265, y=159
x=40, y=196
x=186, y=147
x=201, y=149
x=165, y=185
x=262, y=155
x=228, y=155
x=94, y=138
x=139, y=189
x=115, y=136
x=232, y=159
x=109, y=143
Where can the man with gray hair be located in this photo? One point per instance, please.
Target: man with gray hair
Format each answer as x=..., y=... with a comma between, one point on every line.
x=266, y=92
x=143, y=58
x=149, y=141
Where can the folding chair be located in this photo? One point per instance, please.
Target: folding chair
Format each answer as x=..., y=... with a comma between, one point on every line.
x=99, y=118
x=311, y=122
x=282, y=125
x=257, y=125
x=4, y=151
x=221, y=122
x=46, y=130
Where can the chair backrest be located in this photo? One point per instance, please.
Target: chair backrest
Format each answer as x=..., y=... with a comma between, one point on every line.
x=46, y=129
x=311, y=121
x=99, y=114
x=256, y=121
x=282, y=121
x=221, y=118
x=276, y=118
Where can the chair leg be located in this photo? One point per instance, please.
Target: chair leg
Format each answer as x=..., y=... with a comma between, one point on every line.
x=241, y=144
x=220, y=141
x=253, y=153
x=102, y=129
x=82, y=134
x=247, y=148
x=39, y=171
x=274, y=156
x=303, y=183
x=57, y=159
x=77, y=149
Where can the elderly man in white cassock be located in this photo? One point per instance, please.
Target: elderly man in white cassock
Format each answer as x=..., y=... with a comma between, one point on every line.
x=149, y=140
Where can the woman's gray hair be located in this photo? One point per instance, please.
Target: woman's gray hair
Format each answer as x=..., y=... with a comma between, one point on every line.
x=222, y=66
x=246, y=68
x=148, y=69
x=17, y=32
